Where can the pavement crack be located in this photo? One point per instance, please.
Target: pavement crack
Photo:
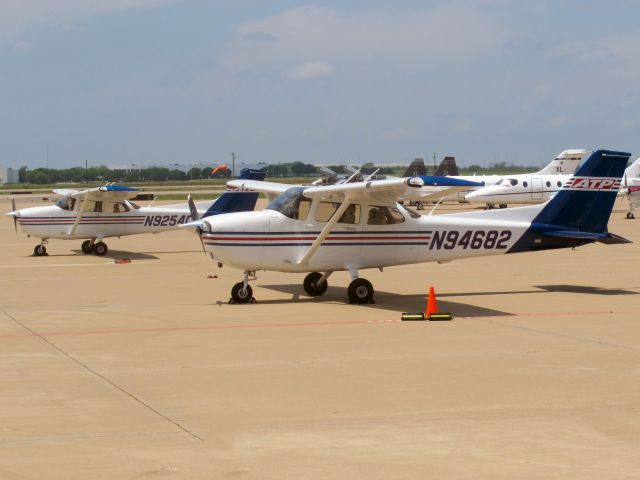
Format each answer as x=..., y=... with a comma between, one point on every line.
x=100, y=375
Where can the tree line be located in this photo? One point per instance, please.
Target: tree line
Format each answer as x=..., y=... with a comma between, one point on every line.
x=161, y=174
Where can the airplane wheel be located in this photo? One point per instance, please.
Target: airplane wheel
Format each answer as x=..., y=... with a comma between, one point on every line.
x=630, y=216
x=87, y=246
x=360, y=291
x=39, y=250
x=311, y=285
x=503, y=205
x=100, y=249
x=241, y=295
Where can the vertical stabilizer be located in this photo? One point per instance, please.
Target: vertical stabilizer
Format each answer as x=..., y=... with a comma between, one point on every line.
x=447, y=168
x=585, y=202
x=233, y=201
x=565, y=163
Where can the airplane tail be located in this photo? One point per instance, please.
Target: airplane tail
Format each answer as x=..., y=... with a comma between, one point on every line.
x=416, y=169
x=233, y=201
x=447, y=167
x=565, y=163
x=579, y=213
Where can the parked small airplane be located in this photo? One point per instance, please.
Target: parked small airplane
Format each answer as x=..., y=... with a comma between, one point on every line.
x=357, y=226
x=536, y=188
x=564, y=164
x=98, y=213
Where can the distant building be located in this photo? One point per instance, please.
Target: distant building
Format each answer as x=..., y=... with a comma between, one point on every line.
x=8, y=175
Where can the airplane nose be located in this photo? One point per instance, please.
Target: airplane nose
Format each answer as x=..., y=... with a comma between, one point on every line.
x=472, y=195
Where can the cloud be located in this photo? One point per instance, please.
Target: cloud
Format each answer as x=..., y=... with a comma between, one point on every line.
x=20, y=47
x=290, y=43
x=309, y=70
x=19, y=16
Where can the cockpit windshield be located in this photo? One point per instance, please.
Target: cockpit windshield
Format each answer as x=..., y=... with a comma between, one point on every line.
x=292, y=204
x=66, y=203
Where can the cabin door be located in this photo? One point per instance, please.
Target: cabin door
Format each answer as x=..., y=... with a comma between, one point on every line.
x=536, y=189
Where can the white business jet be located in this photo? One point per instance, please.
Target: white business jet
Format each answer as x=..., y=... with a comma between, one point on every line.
x=357, y=226
x=529, y=189
x=98, y=213
x=545, y=179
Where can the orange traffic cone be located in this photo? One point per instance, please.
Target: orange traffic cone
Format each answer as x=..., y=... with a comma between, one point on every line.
x=432, y=312
x=432, y=305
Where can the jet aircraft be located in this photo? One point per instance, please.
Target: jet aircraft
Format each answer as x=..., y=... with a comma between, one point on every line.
x=98, y=213
x=358, y=226
x=563, y=164
x=536, y=188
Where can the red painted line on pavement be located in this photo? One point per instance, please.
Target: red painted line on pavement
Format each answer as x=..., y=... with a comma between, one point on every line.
x=184, y=329
x=286, y=325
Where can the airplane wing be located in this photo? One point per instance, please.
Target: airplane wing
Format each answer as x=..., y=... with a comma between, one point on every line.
x=107, y=193
x=112, y=193
x=64, y=191
x=387, y=191
x=270, y=189
x=380, y=192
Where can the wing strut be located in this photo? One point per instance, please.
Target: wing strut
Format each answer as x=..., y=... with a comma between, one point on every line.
x=325, y=231
x=79, y=216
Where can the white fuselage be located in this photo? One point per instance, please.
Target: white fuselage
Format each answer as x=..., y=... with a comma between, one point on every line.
x=530, y=189
x=535, y=188
x=519, y=189
x=268, y=240
x=55, y=222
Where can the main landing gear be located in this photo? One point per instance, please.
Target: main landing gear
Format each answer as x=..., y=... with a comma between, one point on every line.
x=315, y=284
x=630, y=215
x=91, y=246
x=360, y=290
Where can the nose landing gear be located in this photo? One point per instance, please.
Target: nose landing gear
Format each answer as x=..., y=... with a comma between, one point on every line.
x=242, y=292
x=40, y=250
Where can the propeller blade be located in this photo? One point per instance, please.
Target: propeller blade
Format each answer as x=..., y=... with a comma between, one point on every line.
x=15, y=216
x=192, y=208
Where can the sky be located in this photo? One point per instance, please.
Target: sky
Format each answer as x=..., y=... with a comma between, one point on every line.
x=117, y=82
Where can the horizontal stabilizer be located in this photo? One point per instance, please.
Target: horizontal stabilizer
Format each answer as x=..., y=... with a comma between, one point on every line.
x=608, y=238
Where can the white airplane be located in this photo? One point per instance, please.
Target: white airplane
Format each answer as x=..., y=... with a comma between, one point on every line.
x=564, y=164
x=631, y=186
x=534, y=188
x=358, y=226
x=98, y=213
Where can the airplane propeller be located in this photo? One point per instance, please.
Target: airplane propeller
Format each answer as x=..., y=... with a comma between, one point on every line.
x=15, y=214
x=195, y=217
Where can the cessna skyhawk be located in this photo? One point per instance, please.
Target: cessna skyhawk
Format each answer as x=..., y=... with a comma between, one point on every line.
x=360, y=225
x=98, y=213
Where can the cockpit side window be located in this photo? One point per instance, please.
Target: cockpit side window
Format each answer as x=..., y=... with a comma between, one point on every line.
x=384, y=216
x=120, y=207
x=513, y=181
x=351, y=215
x=325, y=210
x=412, y=213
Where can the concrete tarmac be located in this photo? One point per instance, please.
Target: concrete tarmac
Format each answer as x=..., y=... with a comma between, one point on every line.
x=142, y=370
